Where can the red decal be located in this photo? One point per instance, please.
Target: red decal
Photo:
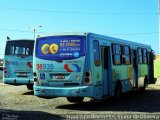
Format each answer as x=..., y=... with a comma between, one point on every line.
x=66, y=66
x=29, y=64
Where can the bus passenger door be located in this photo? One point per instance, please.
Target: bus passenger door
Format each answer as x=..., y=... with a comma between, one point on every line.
x=106, y=70
x=151, y=67
x=135, y=68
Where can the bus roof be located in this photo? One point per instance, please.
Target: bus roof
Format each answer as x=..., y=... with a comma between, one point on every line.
x=99, y=36
x=63, y=33
x=20, y=39
x=118, y=40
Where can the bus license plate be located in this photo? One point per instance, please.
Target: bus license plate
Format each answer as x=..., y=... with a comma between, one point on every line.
x=60, y=76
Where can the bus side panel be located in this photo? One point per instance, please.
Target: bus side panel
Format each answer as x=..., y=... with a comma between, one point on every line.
x=95, y=70
x=143, y=71
x=101, y=67
x=123, y=73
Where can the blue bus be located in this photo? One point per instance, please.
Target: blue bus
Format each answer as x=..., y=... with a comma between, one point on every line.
x=78, y=65
x=18, y=62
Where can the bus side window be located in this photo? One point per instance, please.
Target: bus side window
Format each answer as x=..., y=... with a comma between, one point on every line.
x=126, y=57
x=96, y=53
x=116, y=54
x=140, y=55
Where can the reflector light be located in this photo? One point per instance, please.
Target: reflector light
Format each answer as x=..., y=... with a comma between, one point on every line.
x=35, y=80
x=87, y=80
x=87, y=74
x=35, y=74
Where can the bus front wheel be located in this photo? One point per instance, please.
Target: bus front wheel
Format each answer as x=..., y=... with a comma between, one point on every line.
x=30, y=86
x=75, y=99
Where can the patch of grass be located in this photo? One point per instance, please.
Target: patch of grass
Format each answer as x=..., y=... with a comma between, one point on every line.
x=156, y=68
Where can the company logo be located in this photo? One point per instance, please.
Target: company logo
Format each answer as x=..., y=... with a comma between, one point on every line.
x=76, y=68
x=76, y=54
x=53, y=48
x=45, y=49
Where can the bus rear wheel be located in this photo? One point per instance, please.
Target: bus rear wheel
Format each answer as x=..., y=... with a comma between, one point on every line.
x=118, y=92
x=144, y=85
x=30, y=86
x=75, y=99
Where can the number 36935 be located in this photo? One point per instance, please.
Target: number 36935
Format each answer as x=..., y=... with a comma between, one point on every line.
x=44, y=66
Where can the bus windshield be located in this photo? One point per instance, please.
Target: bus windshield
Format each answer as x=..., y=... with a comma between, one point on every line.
x=60, y=47
x=19, y=47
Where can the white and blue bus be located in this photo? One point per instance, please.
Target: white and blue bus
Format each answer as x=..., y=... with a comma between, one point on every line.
x=18, y=62
x=78, y=65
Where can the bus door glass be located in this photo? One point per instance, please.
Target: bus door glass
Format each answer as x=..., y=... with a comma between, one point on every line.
x=106, y=68
x=135, y=68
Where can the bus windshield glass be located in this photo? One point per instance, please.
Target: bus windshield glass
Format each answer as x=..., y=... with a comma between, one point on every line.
x=19, y=47
x=60, y=47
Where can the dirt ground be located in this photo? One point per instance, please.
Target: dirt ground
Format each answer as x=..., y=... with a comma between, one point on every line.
x=18, y=103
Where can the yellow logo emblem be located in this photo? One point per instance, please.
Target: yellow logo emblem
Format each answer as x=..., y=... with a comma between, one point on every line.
x=53, y=48
x=45, y=49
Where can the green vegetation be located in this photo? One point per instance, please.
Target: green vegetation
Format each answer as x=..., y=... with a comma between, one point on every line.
x=156, y=68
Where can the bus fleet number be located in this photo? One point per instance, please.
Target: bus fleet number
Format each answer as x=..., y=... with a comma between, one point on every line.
x=44, y=66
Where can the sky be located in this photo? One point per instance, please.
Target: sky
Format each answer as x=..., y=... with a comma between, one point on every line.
x=133, y=20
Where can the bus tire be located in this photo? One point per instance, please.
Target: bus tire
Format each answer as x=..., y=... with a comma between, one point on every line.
x=143, y=89
x=118, y=91
x=75, y=99
x=30, y=86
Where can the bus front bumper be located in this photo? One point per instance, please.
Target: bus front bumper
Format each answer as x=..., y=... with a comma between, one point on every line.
x=81, y=91
x=18, y=81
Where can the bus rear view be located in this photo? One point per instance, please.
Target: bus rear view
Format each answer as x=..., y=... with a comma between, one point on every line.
x=78, y=65
x=18, y=61
x=59, y=66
